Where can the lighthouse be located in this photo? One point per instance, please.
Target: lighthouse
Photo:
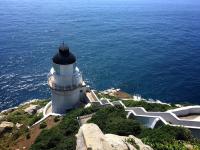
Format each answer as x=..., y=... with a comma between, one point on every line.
x=65, y=81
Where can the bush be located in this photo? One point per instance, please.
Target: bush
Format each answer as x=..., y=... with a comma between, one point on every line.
x=34, y=119
x=179, y=133
x=56, y=118
x=43, y=125
x=113, y=120
x=47, y=139
x=62, y=136
x=166, y=137
x=121, y=126
x=132, y=142
x=148, y=106
x=112, y=98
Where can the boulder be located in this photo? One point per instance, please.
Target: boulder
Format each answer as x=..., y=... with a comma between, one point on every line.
x=90, y=137
x=6, y=126
x=32, y=109
x=139, y=143
x=39, y=111
x=18, y=125
x=2, y=117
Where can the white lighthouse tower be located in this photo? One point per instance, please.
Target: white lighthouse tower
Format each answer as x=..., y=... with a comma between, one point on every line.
x=65, y=81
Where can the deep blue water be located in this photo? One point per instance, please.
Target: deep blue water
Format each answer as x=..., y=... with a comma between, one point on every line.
x=150, y=47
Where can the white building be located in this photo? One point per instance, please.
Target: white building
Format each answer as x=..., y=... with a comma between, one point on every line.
x=65, y=81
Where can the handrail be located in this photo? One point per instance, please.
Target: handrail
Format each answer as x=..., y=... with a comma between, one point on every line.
x=52, y=84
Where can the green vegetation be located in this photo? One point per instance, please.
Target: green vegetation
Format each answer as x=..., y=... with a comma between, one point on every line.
x=19, y=116
x=43, y=125
x=9, y=137
x=41, y=102
x=101, y=95
x=113, y=120
x=62, y=136
x=169, y=138
x=132, y=142
x=148, y=106
x=56, y=118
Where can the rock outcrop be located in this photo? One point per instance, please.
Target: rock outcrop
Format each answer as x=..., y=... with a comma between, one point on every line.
x=18, y=125
x=6, y=126
x=39, y=111
x=90, y=137
x=2, y=117
x=32, y=109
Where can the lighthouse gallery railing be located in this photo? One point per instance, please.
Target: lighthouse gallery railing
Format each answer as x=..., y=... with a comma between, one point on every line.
x=54, y=86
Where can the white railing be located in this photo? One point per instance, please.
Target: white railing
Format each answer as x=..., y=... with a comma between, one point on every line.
x=53, y=85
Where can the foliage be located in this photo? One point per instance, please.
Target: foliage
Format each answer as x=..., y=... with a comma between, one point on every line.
x=43, y=125
x=167, y=138
x=113, y=120
x=62, y=136
x=41, y=102
x=132, y=142
x=101, y=95
x=56, y=118
x=18, y=115
x=148, y=106
x=34, y=119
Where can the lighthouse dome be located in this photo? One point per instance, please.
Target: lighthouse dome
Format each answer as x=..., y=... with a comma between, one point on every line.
x=64, y=56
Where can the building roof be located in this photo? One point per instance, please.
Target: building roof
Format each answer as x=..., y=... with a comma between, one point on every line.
x=64, y=56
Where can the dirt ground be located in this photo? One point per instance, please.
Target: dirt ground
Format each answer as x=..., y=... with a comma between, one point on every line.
x=24, y=144
x=122, y=95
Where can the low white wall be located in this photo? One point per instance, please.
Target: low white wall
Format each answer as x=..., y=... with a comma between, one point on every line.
x=148, y=121
x=184, y=111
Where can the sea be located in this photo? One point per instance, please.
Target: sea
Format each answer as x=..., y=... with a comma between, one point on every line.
x=146, y=47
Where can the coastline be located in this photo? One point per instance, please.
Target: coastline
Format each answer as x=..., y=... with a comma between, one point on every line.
x=21, y=104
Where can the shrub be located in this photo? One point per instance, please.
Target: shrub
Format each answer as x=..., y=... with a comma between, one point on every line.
x=34, y=119
x=132, y=142
x=112, y=98
x=148, y=106
x=62, y=136
x=56, y=118
x=43, y=125
x=47, y=139
x=166, y=137
x=113, y=120
x=121, y=126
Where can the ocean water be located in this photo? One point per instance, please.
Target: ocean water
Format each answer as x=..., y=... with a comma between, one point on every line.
x=149, y=47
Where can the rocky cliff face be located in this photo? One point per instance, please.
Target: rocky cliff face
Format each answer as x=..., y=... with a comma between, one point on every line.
x=90, y=137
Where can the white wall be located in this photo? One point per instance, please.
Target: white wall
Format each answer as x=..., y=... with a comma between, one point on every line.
x=61, y=101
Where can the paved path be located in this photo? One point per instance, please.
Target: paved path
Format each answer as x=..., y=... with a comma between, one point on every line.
x=167, y=116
